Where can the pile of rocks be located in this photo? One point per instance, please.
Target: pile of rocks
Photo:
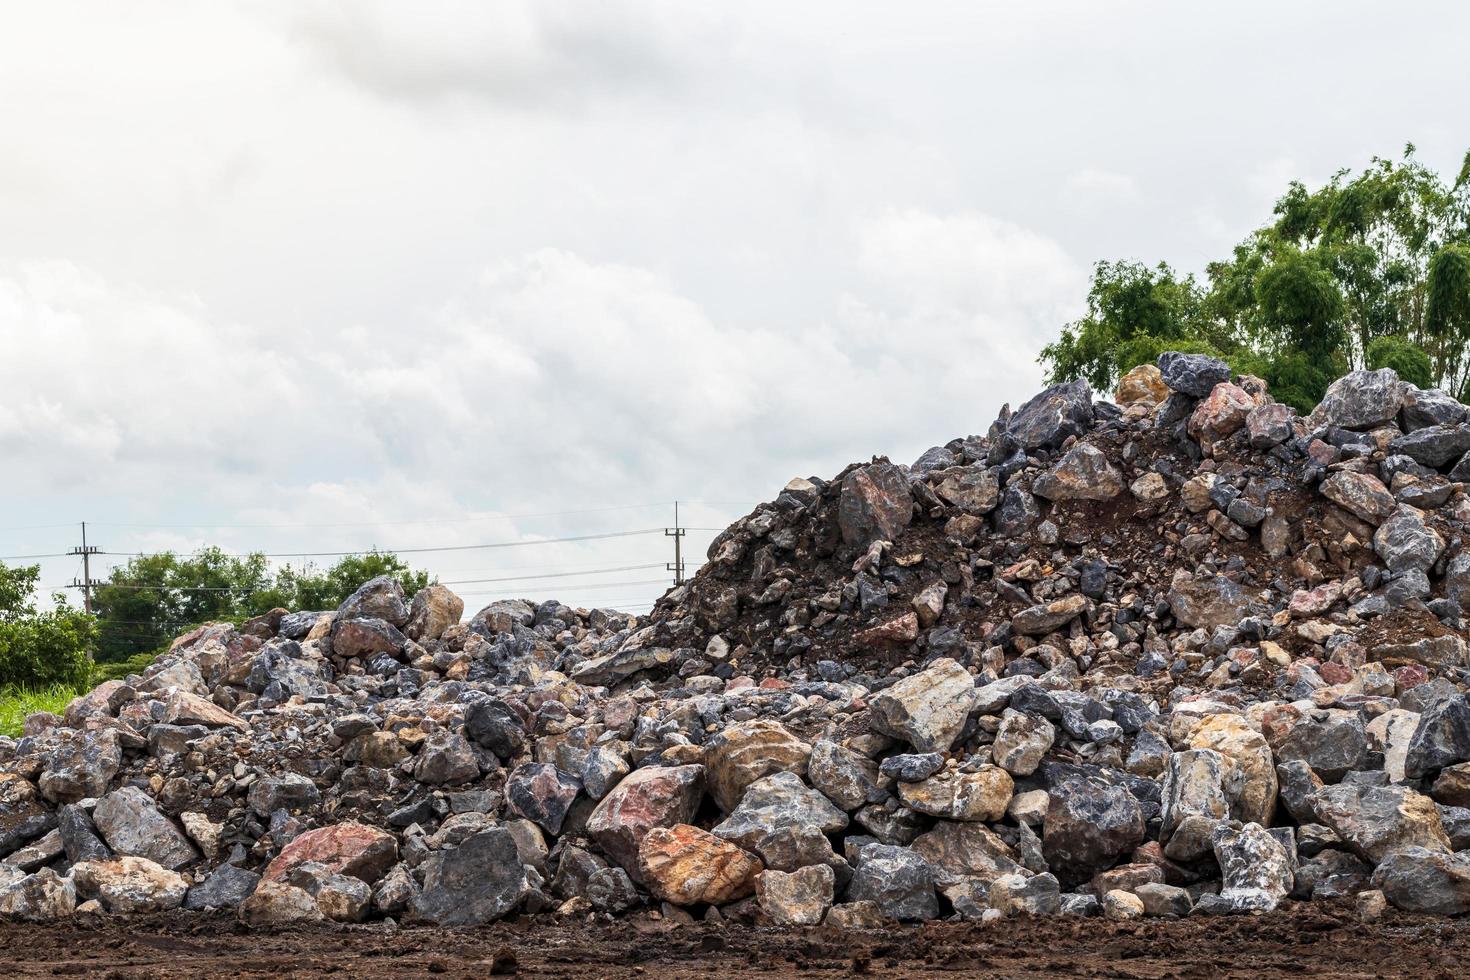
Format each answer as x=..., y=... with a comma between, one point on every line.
x=1184, y=652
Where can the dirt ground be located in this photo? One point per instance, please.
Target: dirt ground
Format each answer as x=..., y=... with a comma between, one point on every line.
x=1303, y=941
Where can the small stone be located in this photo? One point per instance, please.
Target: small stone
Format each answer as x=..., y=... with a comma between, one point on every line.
x=797, y=898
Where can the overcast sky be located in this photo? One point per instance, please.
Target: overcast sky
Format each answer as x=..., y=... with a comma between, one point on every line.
x=390, y=272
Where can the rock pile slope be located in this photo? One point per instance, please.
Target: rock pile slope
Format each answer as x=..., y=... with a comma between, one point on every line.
x=1185, y=652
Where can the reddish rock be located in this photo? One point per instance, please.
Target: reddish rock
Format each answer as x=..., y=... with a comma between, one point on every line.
x=688, y=866
x=1222, y=413
x=347, y=848
x=1409, y=676
x=875, y=504
x=656, y=796
x=904, y=629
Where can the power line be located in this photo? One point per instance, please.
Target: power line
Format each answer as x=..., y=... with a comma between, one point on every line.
x=456, y=520
x=407, y=551
x=527, y=578
x=24, y=557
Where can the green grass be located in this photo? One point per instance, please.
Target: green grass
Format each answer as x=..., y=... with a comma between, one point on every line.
x=17, y=702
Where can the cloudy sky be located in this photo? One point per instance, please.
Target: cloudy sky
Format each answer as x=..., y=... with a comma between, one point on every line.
x=315, y=276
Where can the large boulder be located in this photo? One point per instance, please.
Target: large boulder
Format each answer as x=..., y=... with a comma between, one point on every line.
x=1362, y=400
x=541, y=793
x=131, y=824
x=1222, y=413
x=784, y=821
x=347, y=848
x=844, y=776
x=897, y=880
x=1418, y=879
x=973, y=489
x=1232, y=736
x=875, y=504
x=1442, y=737
x=130, y=884
x=1195, y=375
x=365, y=637
x=1207, y=601
x=1143, y=384
x=1376, y=821
x=927, y=709
x=655, y=796
x=688, y=866
x=477, y=882
x=1083, y=473
x=745, y=751
x=1433, y=446
x=1405, y=542
x=1361, y=494
x=434, y=609
x=23, y=814
x=1255, y=869
x=796, y=898
x=982, y=795
x=1049, y=418
x=378, y=598
x=1089, y=825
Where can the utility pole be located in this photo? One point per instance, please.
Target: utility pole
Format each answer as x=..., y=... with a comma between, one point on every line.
x=677, y=533
x=85, y=584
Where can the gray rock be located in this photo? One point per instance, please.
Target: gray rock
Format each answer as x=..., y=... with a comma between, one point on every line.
x=492, y=723
x=41, y=897
x=1255, y=869
x=79, y=835
x=1089, y=825
x=81, y=767
x=288, y=791
x=378, y=598
x=875, y=504
x=1049, y=418
x=898, y=881
x=1083, y=473
x=23, y=814
x=928, y=709
x=845, y=777
x=1362, y=400
x=131, y=824
x=784, y=821
x=912, y=768
x=477, y=882
x=1194, y=375
x=226, y=887
x=541, y=793
x=1404, y=542
x=365, y=638
x=1434, y=446
x=1376, y=821
x=1417, y=879
x=1332, y=742
x=1429, y=407
x=1441, y=739
x=446, y=758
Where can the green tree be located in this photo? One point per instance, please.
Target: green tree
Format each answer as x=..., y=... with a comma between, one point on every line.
x=1404, y=356
x=1384, y=253
x=153, y=598
x=41, y=648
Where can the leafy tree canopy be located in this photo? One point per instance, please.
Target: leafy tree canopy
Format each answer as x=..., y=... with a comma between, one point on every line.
x=154, y=598
x=41, y=648
x=1370, y=269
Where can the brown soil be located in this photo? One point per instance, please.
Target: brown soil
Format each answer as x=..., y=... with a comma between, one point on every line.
x=1306, y=940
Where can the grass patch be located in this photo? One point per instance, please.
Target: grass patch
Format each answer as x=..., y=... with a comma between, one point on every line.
x=16, y=703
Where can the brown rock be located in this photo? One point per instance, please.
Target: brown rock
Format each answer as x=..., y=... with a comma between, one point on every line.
x=688, y=866
x=748, y=750
x=655, y=796
x=349, y=848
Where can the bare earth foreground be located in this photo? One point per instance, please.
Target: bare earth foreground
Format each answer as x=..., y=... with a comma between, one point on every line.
x=1306, y=940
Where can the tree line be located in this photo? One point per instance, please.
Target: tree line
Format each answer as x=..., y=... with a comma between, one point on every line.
x=1370, y=270
x=153, y=598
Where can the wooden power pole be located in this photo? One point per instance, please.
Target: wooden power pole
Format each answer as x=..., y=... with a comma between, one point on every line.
x=85, y=583
x=677, y=533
